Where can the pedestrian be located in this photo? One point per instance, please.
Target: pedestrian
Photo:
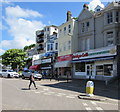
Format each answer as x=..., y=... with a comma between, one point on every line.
x=32, y=80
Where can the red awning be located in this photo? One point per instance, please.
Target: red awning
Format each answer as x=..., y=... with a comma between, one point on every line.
x=34, y=67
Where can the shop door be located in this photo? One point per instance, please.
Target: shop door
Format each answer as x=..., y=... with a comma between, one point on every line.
x=90, y=71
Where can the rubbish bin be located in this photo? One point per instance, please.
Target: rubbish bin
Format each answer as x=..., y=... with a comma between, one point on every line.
x=90, y=88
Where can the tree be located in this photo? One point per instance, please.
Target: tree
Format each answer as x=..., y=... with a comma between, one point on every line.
x=14, y=57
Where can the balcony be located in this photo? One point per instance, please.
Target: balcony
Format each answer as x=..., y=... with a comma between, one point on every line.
x=40, y=40
x=40, y=33
x=40, y=47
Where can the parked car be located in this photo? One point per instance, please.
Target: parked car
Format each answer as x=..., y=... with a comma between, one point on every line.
x=9, y=73
x=27, y=73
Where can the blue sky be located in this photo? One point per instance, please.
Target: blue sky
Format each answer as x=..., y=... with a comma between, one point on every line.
x=20, y=20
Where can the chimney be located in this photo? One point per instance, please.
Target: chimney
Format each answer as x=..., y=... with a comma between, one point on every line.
x=69, y=14
x=85, y=6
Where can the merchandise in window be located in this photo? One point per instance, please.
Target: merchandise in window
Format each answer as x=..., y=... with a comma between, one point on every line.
x=108, y=69
x=80, y=67
x=99, y=70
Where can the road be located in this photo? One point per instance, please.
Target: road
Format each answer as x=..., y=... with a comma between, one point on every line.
x=16, y=96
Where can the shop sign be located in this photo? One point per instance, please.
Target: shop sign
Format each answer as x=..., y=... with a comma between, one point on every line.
x=36, y=57
x=65, y=58
x=108, y=51
x=46, y=61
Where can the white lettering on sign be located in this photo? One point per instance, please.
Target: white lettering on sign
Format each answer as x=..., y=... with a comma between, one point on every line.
x=46, y=60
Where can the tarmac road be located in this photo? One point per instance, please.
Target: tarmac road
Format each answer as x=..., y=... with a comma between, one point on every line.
x=50, y=95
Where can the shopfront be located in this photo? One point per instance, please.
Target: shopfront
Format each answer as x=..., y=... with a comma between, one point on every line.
x=46, y=66
x=99, y=64
x=63, y=66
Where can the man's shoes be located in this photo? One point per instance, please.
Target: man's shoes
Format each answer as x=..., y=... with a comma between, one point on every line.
x=36, y=88
x=29, y=88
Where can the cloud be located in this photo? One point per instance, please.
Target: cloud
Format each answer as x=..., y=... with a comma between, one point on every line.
x=93, y=4
x=2, y=51
x=21, y=27
x=19, y=12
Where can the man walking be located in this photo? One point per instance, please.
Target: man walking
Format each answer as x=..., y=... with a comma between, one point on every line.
x=32, y=80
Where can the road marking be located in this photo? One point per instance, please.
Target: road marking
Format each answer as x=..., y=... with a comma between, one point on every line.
x=88, y=108
x=70, y=97
x=47, y=94
x=99, y=108
x=61, y=93
x=93, y=103
x=107, y=103
x=85, y=104
x=37, y=92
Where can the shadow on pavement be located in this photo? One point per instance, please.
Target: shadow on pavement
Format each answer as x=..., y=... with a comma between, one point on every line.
x=100, y=89
x=25, y=89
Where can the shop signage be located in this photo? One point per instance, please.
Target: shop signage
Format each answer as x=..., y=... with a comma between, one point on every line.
x=36, y=57
x=46, y=61
x=65, y=58
x=108, y=51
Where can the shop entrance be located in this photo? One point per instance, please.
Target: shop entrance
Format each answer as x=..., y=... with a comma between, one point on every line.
x=90, y=71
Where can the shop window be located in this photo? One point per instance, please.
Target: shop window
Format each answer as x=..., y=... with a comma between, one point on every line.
x=108, y=69
x=80, y=67
x=99, y=70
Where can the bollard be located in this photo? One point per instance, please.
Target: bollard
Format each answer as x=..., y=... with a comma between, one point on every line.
x=90, y=88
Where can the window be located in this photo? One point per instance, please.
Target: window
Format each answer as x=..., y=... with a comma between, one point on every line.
x=109, y=17
x=56, y=46
x=99, y=70
x=48, y=47
x=108, y=69
x=83, y=27
x=110, y=38
x=80, y=67
x=64, y=30
x=117, y=16
x=87, y=26
x=51, y=46
x=69, y=28
x=69, y=45
x=47, y=29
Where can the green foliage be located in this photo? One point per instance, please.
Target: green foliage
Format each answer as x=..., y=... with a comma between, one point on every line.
x=14, y=57
x=29, y=47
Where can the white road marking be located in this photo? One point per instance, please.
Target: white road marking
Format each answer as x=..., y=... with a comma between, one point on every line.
x=93, y=103
x=99, y=108
x=61, y=93
x=85, y=104
x=47, y=94
x=70, y=97
x=88, y=108
x=107, y=103
x=37, y=92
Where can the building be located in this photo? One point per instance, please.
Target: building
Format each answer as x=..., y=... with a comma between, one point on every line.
x=67, y=45
x=99, y=40
x=40, y=41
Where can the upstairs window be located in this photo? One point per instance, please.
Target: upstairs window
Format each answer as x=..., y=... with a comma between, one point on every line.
x=117, y=16
x=83, y=27
x=69, y=28
x=87, y=26
x=109, y=17
x=110, y=38
x=64, y=30
x=56, y=46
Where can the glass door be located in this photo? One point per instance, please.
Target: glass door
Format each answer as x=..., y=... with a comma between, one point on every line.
x=90, y=74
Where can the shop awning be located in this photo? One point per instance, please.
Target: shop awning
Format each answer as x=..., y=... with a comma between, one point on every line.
x=34, y=67
x=62, y=64
x=93, y=59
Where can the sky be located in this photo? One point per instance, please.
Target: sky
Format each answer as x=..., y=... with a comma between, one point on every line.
x=20, y=20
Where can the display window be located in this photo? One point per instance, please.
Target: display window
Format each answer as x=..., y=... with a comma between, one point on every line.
x=80, y=67
x=108, y=69
x=99, y=70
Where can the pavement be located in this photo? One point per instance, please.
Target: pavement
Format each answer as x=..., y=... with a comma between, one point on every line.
x=101, y=90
